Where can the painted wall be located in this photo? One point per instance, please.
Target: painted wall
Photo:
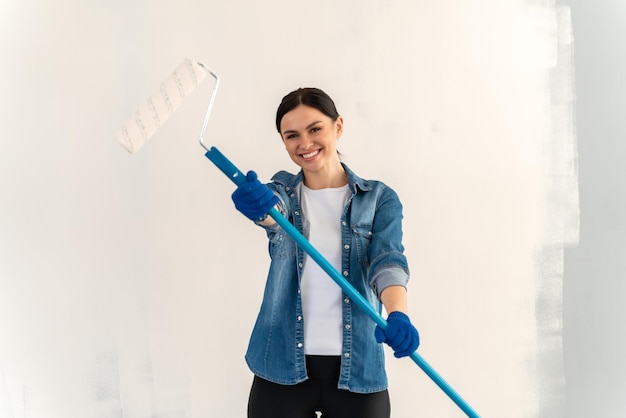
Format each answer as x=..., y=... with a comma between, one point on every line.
x=129, y=284
x=594, y=286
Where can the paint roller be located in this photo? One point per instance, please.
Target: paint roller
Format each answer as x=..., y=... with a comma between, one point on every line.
x=153, y=113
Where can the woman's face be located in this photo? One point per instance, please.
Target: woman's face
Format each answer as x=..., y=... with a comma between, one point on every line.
x=310, y=138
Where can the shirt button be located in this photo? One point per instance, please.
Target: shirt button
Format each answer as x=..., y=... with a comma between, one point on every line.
x=346, y=355
x=299, y=345
x=298, y=213
x=345, y=273
x=343, y=223
x=299, y=318
x=347, y=246
x=346, y=300
x=300, y=265
x=347, y=326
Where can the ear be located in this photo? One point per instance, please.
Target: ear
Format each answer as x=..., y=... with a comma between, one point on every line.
x=339, y=126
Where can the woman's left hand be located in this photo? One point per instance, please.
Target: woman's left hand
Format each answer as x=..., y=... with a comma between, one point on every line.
x=400, y=334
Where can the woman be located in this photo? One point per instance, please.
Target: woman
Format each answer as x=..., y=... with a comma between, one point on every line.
x=311, y=350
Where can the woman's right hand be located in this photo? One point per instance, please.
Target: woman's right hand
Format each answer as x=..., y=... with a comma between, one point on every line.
x=253, y=198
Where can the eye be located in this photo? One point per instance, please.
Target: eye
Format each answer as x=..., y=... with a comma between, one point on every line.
x=315, y=129
x=291, y=136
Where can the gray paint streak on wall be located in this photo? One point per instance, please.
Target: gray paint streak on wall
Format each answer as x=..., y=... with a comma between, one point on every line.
x=561, y=223
x=595, y=270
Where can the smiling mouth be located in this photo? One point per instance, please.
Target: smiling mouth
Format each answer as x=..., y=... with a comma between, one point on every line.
x=310, y=154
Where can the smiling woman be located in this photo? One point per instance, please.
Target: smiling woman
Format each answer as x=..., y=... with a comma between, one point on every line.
x=337, y=367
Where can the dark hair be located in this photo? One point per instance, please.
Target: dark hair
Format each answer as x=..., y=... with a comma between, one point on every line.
x=308, y=96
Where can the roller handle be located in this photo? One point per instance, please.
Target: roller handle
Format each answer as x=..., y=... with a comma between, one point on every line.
x=239, y=178
x=224, y=164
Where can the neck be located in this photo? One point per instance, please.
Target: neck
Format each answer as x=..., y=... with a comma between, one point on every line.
x=329, y=177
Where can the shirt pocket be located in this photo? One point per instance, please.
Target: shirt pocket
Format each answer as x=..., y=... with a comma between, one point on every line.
x=362, y=236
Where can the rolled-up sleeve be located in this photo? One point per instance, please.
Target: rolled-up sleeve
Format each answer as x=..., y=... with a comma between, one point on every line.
x=389, y=266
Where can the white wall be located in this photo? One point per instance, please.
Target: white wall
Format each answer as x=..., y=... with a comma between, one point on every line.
x=129, y=284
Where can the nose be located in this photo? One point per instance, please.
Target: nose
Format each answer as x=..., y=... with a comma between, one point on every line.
x=305, y=141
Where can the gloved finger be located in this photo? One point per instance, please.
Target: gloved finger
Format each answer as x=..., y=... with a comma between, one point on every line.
x=403, y=343
x=407, y=348
x=268, y=200
x=251, y=192
x=380, y=335
x=409, y=345
x=251, y=176
x=257, y=194
x=244, y=194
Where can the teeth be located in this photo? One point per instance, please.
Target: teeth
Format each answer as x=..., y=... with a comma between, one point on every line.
x=311, y=154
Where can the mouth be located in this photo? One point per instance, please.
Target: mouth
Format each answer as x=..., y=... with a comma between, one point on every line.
x=310, y=155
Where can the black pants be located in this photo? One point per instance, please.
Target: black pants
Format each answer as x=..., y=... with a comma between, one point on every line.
x=317, y=394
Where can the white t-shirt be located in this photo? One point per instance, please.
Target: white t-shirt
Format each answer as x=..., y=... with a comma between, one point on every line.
x=321, y=296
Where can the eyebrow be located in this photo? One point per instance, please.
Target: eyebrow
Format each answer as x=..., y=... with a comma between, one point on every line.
x=310, y=125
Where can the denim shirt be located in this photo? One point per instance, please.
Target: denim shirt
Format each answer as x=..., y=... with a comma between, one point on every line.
x=372, y=259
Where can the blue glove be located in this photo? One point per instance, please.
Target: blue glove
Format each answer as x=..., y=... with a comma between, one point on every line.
x=253, y=198
x=400, y=335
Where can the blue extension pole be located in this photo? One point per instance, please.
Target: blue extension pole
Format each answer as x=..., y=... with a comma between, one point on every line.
x=239, y=178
